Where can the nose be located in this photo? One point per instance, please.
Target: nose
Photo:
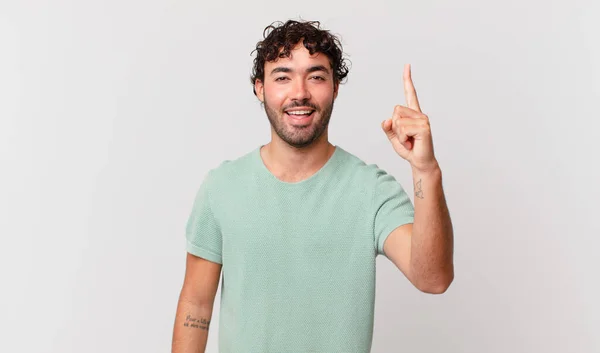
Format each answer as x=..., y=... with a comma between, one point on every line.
x=300, y=91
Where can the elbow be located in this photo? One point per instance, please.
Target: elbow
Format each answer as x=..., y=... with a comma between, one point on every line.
x=439, y=286
x=439, y=289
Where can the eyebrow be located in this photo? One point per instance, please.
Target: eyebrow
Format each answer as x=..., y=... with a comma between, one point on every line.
x=309, y=70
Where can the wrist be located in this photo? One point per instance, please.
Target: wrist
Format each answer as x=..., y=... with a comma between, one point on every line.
x=431, y=170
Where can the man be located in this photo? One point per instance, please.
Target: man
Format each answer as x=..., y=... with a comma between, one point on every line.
x=295, y=225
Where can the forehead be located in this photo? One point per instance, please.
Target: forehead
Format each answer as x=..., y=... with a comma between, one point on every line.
x=300, y=57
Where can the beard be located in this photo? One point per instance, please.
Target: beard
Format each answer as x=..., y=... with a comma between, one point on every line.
x=299, y=136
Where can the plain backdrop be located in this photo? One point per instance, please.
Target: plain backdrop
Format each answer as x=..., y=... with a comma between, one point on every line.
x=113, y=111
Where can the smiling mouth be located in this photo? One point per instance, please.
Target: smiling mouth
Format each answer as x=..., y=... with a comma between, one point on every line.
x=301, y=117
x=298, y=114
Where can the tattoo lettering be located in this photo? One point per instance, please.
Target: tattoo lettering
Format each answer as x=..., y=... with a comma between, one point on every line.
x=419, y=191
x=201, y=323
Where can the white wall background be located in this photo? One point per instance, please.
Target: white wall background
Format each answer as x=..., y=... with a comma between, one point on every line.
x=112, y=112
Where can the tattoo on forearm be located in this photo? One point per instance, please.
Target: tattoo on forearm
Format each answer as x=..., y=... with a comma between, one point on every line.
x=201, y=323
x=419, y=190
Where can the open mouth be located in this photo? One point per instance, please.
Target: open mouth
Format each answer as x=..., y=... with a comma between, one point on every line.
x=301, y=116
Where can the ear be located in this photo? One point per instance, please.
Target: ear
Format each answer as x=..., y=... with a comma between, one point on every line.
x=259, y=88
x=336, y=87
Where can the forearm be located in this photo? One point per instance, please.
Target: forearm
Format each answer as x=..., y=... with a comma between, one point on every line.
x=432, y=242
x=192, y=322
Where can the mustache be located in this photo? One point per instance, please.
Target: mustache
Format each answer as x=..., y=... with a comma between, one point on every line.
x=301, y=104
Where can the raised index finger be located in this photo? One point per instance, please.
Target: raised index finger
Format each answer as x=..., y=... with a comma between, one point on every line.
x=409, y=90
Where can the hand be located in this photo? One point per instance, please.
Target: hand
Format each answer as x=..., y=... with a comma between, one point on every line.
x=408, y=130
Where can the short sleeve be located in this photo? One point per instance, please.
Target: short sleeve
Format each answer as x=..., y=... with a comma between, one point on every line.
x=392, y=206
x=203, y=234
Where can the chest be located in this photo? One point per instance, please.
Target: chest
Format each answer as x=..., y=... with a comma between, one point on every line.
x=308, y=229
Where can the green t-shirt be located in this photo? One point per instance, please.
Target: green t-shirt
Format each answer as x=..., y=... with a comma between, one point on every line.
x=298, y=259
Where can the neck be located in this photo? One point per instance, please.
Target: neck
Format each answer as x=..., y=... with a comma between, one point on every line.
x=292, y=164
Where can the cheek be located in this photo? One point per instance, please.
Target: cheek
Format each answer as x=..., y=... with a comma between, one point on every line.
x=324, y=96
x=275, y=97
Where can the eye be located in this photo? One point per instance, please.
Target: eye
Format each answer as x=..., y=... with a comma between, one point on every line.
x=319, y=78
x=281, y=78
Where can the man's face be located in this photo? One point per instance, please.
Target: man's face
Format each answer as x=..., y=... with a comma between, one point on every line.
x=294, y=86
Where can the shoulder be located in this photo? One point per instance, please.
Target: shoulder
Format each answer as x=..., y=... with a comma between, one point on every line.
x=229, y=171
x=362, y=169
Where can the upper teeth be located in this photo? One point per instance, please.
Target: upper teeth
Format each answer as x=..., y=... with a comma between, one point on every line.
x=300, y=112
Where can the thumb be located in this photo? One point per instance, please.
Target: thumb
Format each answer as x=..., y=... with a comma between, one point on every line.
x=386, y=125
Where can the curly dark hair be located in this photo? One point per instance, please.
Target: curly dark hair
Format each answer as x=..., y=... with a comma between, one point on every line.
x=285, y=36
